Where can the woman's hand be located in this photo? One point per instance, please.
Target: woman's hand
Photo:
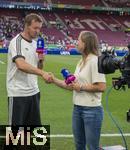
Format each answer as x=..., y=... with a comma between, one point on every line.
x=75, y=86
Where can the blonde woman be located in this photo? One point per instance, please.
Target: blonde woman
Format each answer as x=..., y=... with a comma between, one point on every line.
x=87, y=93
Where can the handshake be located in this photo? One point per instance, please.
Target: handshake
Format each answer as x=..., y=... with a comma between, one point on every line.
x=68, y=82
x=49, y=77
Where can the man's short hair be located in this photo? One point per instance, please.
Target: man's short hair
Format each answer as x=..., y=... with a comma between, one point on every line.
x=32, y=16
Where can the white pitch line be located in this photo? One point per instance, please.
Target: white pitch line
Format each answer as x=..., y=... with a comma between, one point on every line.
x=102, y=135
x=1, y=62
x=71, y=136
x=115, y=135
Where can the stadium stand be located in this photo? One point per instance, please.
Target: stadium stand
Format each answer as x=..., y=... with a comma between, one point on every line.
x=104, y=25
x=35, y=1
x=78, y=2
x=66, y=26
x=116, y=3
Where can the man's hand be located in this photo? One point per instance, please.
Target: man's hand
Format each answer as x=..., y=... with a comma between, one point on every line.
x=41, y=60
x=41, y=57
x=48, y=77
x=52, y=77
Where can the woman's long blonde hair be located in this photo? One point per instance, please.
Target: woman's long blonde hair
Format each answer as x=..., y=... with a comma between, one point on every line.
x=91, y=43
x=90, y=40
